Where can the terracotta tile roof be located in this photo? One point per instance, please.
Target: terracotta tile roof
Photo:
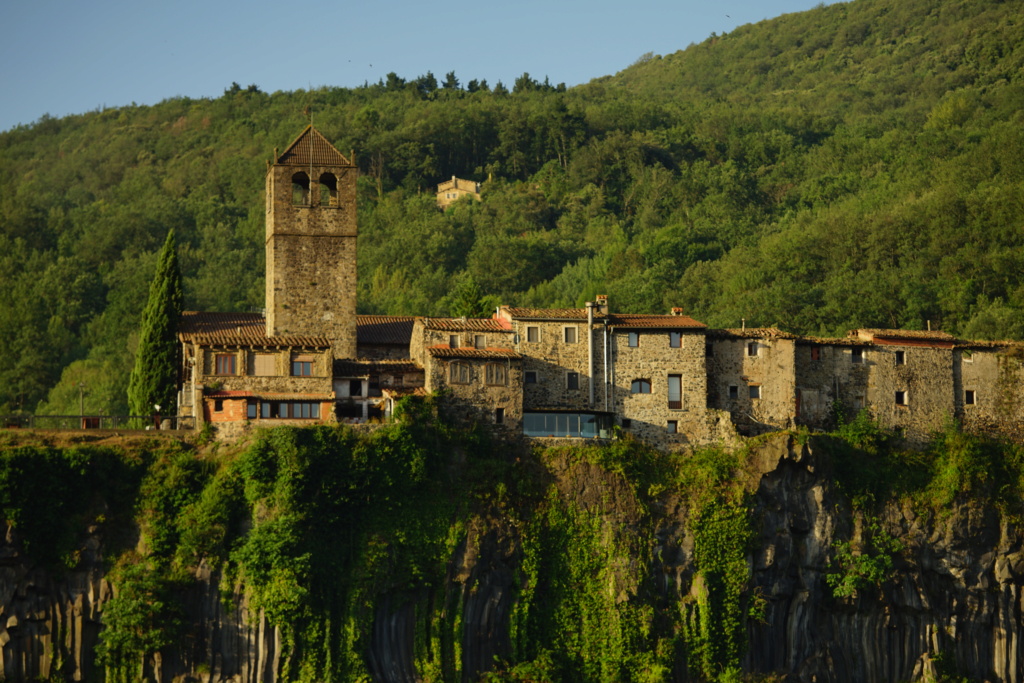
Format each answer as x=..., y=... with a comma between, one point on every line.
x=548, y=313
x=466, y=324
x=930, y=335
x=982, y=344
x=832, y=341
x=654, y=321
x=312, y=149
x=384, y=329
x=752, y=333
x=466, y=352
x=237, y=329
x=364, y=368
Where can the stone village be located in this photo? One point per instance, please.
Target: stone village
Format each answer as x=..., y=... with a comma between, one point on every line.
x=580, y=372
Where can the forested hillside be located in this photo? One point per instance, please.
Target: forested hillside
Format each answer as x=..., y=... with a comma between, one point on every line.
x=856, y=165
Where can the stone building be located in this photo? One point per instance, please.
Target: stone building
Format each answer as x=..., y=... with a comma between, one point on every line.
x=567, y=372
x=451, y=191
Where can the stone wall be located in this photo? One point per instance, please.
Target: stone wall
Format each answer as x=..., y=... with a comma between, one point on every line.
x=654, y=360
x=925, y=378
x=829, y=382
x=283, y=381
x=754, y=379
x=551, y=359
x=477, y=401
x=311, y=258
x=995, y=376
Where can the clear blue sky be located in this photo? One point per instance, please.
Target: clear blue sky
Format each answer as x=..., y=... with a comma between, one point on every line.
x=63, y=57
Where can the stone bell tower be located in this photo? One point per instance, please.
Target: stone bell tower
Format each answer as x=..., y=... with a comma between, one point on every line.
x=311, y=243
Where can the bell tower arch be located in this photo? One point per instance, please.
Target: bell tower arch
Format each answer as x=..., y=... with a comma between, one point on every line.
x=311, y=243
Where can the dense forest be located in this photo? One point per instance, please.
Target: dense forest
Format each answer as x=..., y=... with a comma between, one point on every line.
x=859, y=164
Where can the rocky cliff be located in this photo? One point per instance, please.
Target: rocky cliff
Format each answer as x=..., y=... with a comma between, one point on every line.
x=528, y=580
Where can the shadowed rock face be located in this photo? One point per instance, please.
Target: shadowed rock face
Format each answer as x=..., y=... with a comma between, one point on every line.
x=956, y=591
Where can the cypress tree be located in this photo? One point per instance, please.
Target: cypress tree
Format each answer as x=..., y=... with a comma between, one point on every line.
x=154, y=377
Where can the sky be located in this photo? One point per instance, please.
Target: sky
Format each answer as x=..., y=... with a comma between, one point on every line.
x=61, y=57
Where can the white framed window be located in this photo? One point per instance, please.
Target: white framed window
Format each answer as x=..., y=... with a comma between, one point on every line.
x=970, y=397
x=569, y=334
x=901, y=398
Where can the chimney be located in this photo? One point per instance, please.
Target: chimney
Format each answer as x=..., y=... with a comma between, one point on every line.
x=677, y=310
x=602, y=303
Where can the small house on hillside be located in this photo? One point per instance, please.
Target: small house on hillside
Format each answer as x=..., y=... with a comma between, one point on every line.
x=451, y=191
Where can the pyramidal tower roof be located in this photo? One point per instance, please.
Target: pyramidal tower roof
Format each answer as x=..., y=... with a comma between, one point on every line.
x=312, y=149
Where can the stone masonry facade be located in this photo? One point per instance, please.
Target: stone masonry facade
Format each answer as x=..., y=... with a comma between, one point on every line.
x=551, y=373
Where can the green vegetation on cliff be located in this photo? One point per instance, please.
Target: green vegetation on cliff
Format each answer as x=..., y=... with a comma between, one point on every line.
x=857, y=165
x=611, y=562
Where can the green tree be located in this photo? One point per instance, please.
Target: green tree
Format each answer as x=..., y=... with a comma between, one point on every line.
x=156, y=361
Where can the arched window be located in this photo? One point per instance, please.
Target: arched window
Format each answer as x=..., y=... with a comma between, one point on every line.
x=328, y=190
x=300, y=189
x=640, y=386
x=458, y=373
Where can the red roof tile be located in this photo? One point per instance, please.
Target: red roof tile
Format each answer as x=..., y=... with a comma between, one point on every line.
x=364, y=368
x=237, y=329
x=466, y=352
x=384, y=329
x=654, y=321
x=466, y=324
x=312, y=149
x=930, y=335
x=270, y=396
x=752, y=333
x=548, y=313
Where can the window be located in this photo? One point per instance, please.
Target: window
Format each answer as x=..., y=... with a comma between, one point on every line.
x=263, y=365
x=709, y=350
x=480, y=342
x=968, y=356
x=752, y=348
x=734, y=391
x=675, y=392
x=530, y=377
x=572, y=380
x=495, y=374
x=300, y=189
x=675, y=340
x=673, y=427
x=856, y=355
x=570, y=335
x=302, y=366
x=453, y=341
x=224, y=364
x=533, y=334
x=969, y=397
x=640, y=386
x=250, y=410
x=901, y=398
x=634, y=339
x=218, y=405
x=816, y=353
x=459, y=373
x=901, y=358
x=627, y=423
x=499, y=416
x=755, y=390
x=296, y=410
x=328, y=190
x=355, y=387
